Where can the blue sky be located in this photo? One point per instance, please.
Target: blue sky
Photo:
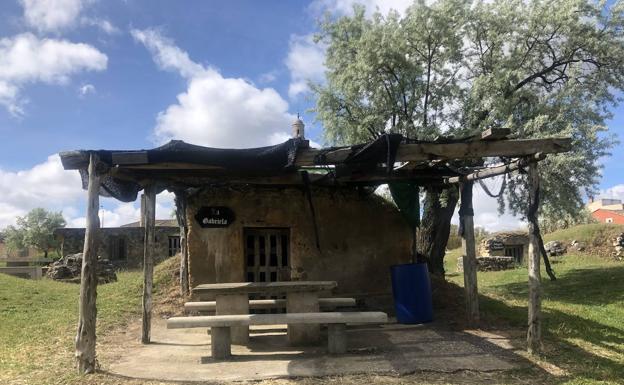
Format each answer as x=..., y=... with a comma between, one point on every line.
x=126, y=74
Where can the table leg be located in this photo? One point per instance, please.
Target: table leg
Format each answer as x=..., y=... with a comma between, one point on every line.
x=303, y=302
x=235, y=304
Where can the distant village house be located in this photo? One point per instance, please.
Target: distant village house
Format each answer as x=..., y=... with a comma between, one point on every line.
x=607, y=210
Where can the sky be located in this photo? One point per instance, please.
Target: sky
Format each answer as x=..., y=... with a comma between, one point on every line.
x=131, y=74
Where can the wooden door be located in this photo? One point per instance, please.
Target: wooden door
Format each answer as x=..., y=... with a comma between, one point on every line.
x=267, y=254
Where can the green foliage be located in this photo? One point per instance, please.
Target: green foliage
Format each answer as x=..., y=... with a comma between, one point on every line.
x=539, y=67
x=548, y=224
x=35, y=229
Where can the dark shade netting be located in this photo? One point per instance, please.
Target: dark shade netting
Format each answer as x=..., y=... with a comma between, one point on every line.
x=275, y=159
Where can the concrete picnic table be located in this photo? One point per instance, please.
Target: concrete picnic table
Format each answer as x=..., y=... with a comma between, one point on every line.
x=301, y=297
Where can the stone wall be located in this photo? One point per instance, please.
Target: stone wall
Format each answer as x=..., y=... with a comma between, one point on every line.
x=360, y=235
x=72, y=242
x=489, y=263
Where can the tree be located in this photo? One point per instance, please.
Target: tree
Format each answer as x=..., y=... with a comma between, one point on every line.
x=35, y=229
x=457, y=67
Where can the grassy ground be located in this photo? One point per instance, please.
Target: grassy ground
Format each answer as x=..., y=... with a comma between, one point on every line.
x=583, y=325
x=38, y=322
x=583, y=313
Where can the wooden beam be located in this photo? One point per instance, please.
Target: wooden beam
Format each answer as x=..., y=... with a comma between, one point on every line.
x=497, y=170
x=180, y=207
x=469, y=254
x=85, y=338
x=148, y=261
x=461, y=150
x=534, y=332
x=495, y=133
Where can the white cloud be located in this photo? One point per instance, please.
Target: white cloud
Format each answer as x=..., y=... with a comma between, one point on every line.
x=51, y=15
x=214, y=110
x=268, y=77
x=86, y=89
x=45, y=185
x=486, y=211
x=103, y=24
x=26, y=59
x=345, y=7
x=166, y=54
x=615, y=192
x=50, y=186
x=305, y=61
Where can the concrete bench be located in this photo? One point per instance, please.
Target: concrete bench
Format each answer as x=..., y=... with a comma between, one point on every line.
x=221, y=344
x=324, y=303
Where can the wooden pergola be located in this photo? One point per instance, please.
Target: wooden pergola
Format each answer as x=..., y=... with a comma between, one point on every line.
x=424, y=163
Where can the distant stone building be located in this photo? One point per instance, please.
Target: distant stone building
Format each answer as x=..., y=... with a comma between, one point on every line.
x=511, y=244
x=607, y=210
x=123, y=246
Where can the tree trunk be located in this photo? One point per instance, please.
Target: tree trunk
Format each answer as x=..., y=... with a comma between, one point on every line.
x=435, y=226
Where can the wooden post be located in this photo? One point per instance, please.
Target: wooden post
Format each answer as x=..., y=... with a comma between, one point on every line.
x=534, y=333
x=180, y=202
x=469, y=254
x=148, y=260
x=85, y=338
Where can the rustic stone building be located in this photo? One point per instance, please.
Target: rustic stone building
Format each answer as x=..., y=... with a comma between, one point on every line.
x=123, y=246
x=271, y=235
x=511, y=244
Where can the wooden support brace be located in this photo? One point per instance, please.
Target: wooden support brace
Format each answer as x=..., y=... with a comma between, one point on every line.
x=534, y=332
x=148, y=261
x=85, y=338
x=469, y=254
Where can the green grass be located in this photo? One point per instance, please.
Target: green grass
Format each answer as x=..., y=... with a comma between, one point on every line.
x=38, y=322
x=594, y=234
x=583, y=314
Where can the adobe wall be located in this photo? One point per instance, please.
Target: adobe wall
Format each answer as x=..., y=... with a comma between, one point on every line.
x=361, y=236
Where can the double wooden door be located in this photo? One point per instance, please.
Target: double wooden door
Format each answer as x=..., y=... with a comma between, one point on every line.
x=267, y=254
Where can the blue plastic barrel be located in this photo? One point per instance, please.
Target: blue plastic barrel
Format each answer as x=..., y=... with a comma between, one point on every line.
x=411, y=289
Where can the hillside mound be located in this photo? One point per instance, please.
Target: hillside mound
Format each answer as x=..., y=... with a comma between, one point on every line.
x=598, y=237
x=168, y=300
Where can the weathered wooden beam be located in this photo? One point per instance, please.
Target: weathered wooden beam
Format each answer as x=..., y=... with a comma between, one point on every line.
x=534, y=332
x=180, y=207
x=469, y=252
x=148, y=261
x=461, y=150
x=495, y=133
x=85, y=338
x=496, y=170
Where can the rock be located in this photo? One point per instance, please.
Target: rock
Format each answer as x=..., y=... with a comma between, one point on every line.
x=68, y=269
x=555, y=248
x=578, y=246
x=490, y=263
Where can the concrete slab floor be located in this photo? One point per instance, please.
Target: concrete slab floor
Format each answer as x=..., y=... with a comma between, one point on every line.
x=184, y=354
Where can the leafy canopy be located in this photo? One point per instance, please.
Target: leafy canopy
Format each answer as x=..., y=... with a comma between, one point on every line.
x=35, y=229
x=457, y=67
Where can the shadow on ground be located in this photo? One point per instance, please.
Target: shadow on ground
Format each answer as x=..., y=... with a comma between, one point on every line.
x=583, y=348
